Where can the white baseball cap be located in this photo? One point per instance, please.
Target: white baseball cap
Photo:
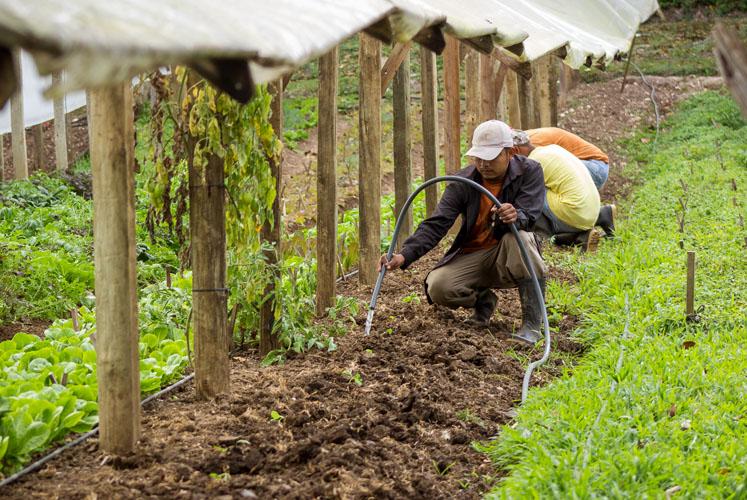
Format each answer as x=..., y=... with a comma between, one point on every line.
x=489, y=139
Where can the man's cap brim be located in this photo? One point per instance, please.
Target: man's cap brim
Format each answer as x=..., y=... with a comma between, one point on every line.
x=486, y=153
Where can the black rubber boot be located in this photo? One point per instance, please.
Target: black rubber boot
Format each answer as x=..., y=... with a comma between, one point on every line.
x=606, y=220
x=531, y=312
x=484, y=308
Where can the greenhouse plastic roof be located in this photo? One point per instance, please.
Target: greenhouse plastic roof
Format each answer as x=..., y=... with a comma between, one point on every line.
x=97, y=42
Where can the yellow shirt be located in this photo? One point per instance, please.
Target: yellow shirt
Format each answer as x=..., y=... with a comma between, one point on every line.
x=571, y=193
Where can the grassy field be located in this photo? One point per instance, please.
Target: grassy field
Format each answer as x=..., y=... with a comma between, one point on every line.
x=658, y=404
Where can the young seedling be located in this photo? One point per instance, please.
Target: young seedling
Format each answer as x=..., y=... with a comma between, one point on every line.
x=275, y=416
x=354, y=377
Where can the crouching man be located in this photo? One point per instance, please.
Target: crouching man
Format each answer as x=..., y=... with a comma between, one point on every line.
x=485, y=254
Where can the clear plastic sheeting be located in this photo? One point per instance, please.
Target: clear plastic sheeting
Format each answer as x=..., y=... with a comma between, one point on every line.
x=582, y=31
x=99, y=43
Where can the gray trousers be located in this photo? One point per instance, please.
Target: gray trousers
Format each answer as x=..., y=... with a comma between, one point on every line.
x=458, y=283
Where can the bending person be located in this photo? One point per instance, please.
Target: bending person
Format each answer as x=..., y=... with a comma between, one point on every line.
x=572, y=203
x=594, y=159
x=485, y=253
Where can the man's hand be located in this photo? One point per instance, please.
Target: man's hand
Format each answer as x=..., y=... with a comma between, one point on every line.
x=397, y=260
x=506, y=214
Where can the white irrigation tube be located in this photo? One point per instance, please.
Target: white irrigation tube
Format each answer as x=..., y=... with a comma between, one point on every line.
x=524, y=256
x=58, y=451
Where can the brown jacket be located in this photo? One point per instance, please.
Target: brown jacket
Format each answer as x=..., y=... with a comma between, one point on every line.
x=523, y=187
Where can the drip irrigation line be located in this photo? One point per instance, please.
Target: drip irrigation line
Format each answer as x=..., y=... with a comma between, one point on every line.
x=58, y=451
x=653, y=99
x=522, y=250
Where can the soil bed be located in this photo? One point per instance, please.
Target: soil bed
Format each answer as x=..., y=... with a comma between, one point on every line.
x=391, y=415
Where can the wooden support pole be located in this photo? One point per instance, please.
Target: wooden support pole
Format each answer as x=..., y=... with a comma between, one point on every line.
x=499, y=83
x=326, y=183
x=513, y=100
x=398, y=54
x=627, y=63
x=207, y=221
x=268, y=340
x=2, y=157
x=553, y=89
x=37, y=132
x=60, y=127
x=731, y=56
x=402, y=146
x=526, y=103
x=369, y=165
x=452, y=145
x=112, y=168
x=429, y=103
x=690, y=292
x=488, y=97
x=541, y=91
x=18, y=130
x=472, y=84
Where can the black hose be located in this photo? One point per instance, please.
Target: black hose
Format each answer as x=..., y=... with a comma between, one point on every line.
x=524, y=257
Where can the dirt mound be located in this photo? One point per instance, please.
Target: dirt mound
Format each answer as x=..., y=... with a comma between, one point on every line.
x=391, y=415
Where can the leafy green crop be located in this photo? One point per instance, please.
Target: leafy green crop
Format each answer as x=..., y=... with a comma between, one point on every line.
x=48, y=386
x=659, y=403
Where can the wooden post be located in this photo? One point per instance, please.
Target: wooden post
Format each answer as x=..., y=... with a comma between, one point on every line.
x=60, y=126
x=38, y=135
x=2, y=157
x=690, y=292
x=472, y=84
x=731, y=56
x=526, y=103
x=326, y=184
x=112, y=168
x=568, y=80
x=541, y=91
x=268, y=341
x=429, y=103
x=402, y=146
x=552, y=76
x=452, y=146
x=207, y=222
x=513, y=100
x=369, y=165
x=498, y=85
x=488, y=96
x=627, y=64
x=18, y=130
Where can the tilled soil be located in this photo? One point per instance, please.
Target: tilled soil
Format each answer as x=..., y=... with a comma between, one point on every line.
x=391, y=415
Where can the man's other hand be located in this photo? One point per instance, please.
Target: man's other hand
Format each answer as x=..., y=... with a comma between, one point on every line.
x=506, y=214
x=397, y=260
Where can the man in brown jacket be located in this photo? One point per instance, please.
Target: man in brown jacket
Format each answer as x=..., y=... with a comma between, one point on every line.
x=485, y=253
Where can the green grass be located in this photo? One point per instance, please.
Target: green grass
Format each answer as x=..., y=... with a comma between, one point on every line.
x=658, y=403
x=672, y=48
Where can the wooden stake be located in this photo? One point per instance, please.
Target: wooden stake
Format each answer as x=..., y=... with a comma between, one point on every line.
x=268, y=339
x=326, y=183
x=541, y=91
x=168, y=278
x=402, y=146
x=209, y=294
x=60, y=127
x=429, y=103
x=74, y=317
x=112, y=168
x=452, y=146
x=38, y=134
x=627, y=64
x=369, y=174
x=398, y=54
x=488, y=88
x=690, y=299
x=513, y=100
x=18, y=130
x=2, y=157
x=472, y=84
